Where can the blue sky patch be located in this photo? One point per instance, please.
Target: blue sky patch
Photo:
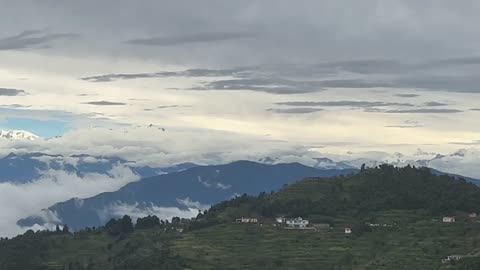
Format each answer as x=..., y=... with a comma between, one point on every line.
x=43, y=128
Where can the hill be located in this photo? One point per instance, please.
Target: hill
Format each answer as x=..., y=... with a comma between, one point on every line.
x=407, y=203
x=182, y=193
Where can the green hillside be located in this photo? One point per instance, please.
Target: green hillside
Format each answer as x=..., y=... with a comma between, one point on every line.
x=407, y=204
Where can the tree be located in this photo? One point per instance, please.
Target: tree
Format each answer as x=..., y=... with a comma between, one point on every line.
x=148, y=222
x=116, y=227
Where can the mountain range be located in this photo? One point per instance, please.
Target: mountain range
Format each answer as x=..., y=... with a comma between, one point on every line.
x=29, y=167
x=181, y=193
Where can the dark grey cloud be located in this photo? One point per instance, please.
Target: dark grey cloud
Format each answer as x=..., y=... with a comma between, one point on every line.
x=174, y=106
x=407, y=95
x=405, y=126
x=432, y=75
x=32, y=39
x=420, y=110
x=12, y=92
x=390, y=66
x=435, y=104
x=300, y=110
x=286, y=86
x=287, y=33
x=304, y=48
x=167, y=107
x=343, y=103
x=475, y=109
x=192, y=38
x=105, y=103
x=268, y=85
x=234, y=72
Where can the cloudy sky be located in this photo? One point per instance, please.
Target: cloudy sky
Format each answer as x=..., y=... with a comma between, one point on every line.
x=335, y=76
x=165, y=82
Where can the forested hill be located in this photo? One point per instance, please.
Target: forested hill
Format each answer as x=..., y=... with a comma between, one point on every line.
x=409, y=203
x=372, y=190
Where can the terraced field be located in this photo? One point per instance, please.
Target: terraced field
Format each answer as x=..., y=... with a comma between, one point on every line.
x=420, y=244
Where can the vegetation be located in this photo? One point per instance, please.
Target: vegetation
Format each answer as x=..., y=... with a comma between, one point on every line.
x=406, y=203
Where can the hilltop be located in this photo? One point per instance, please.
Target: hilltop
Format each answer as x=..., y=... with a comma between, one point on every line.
x=410, y=202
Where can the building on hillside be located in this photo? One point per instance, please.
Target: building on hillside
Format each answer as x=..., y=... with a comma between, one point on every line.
x=297, y=223
x=246, y=220
x=473, y=215
x=280, y=220
x=348, y=230
x=448, y=219
x=452, y=258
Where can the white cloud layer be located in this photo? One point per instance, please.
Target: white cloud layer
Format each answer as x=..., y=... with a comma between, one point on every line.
x=20, y=201
x=136, y=211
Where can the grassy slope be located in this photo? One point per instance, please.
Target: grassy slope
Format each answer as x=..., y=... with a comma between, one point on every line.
x=416, y=245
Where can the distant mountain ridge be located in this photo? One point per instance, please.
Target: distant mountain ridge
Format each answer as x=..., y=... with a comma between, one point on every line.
x=186, y=190
x=18, y=135
x=28, y=167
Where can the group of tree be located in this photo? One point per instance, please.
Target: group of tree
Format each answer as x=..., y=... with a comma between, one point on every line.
x=372, y=189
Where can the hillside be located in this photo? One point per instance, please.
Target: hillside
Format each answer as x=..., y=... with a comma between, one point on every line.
x=183, y=193
x=408, y=203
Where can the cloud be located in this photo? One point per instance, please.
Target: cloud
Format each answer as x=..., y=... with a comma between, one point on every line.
x=189, y=203
x=136, y=211
x=11, y=92
x=308, y=78
x=189, y=73
x=432, y=111
x=267, y=85
x=173, y=106
x=405, y=126
x=105, y=103
x=475, y=142
x=206, y=37
x=302, y=110
x=407, y=95
x=435, y=104
x=18, y=201
x=344, y=103
x=32, y=39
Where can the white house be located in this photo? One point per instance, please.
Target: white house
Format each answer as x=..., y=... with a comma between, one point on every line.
x=246, y=220
x=280, y=220
x=448, y=219
x=297, y=223
x=348, y=230
x=452, y=258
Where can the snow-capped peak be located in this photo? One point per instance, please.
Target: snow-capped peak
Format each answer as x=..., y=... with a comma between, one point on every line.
x=18, y=135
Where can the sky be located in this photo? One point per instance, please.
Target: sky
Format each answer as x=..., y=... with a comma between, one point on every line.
x=335, y=76
x=164, y=82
